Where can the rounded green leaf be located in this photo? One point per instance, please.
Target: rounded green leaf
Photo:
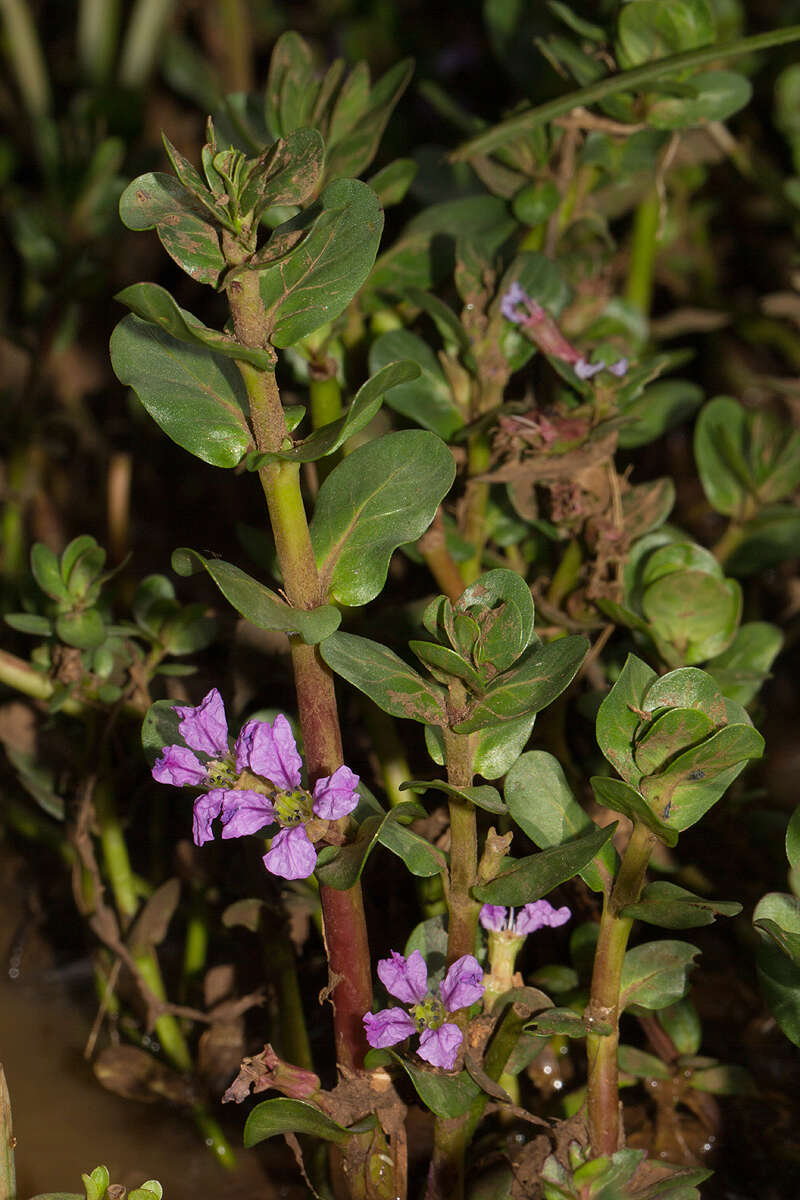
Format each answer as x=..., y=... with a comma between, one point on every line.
x=768, y=539
x=720, y=450
x=682, y=1023
x=669, y=734
x=793, y=839
x=718, y=95
x=655, y=975
x=196, y=396
x=533, y=683
x=501, y=602
x=780, y=982
x=316, y=281
x=383, y=494
x=659, y=407
x=618, y=717
x=650, y=29
x=744, y=666
x=86, y=629
x=672, y=907
x=541, y=802
x=621, y=797
x=778, y=916
x=383, y=676
x=696, y=613
x=427, y=400
x=184, y=230
x=160, y=729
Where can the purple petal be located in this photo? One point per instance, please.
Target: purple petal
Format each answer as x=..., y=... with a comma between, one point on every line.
x=540, y=914
x=206, y=809
x=515, y=295
x=388, y=1027
x=440, y=1046
x=180, y=767
x=619, y=368
x=336, y=796
x=245, y=812
x=585, y=370
x=404, y=978
x=291, y=854
x=493, y=916
x=204, y=728
x=270, y=751
x=462, y=984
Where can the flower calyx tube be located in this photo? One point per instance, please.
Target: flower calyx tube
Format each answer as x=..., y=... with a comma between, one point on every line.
x=427, y=1013
x=254, y=784
x=522, y=310
x=507, y=929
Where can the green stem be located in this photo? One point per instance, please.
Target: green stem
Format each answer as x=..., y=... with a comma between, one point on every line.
x=25, y=57
x=143, y=41
x=326, y=406
x=439, y=561
x=566, y=574
x=479, y=456
x=644, y=246
x=115, y=853
x=463, y=923
x=195, y=946
x=603, y=1074
x=98, y=31
x=620, y=81
x=238, y=37
x=292, y=1041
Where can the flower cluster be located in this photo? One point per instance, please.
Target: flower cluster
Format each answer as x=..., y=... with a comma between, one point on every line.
x=519, y=308
x=407, y=980
x=255, y=784
x=531, y=918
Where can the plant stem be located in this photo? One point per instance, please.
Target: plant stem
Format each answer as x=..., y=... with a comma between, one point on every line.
x=603, y=1073
x=439, y=561
x=479, y=455
x=98, y=31
x=8, y=1173
x=115, y=853
x=620, y=81
x=342, y=911
x=644, y=246
x=463, y=923
x=25, y=57
x=143, y=41
x=238, y=38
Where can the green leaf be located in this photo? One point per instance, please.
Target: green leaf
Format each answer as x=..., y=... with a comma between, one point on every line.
x=619, y=716
x=623, y=798
x=160, y=729
x=158, y=201
x=383, y=494
x=670, y=733
x=257, y=603
x=383, y=676
x=686, y=687
x=352, y=152
x=682, y=1023
x=450, y=328
x=644, y=1066
x=542, y=804
x=654, y=975
x=37, y=779
x=86, y=629
x=720, y=450
x=541, y=675
x=660, y=407
x=96, y=1184
x=287, y=173
x=329, y=438
x=315, y=281
x=46, y=571
x=683, y=792
x=780, y=983
x=272, y=1117
x=196, y=396
x=29, y=623
x=419, y=855
x=718, y=95
x=766, y=540
x=651, y=29
x=444, y=664
x=391, y=183
x=430, y=938
x=793, y=839
x=501, y=602
x=744, y=666
x=695, y=612
x=497, y=748
x=428, y=400
x=155, y=305
x=446, y=1095
x=341, y=867
x=723, y=1079
x=483, y=796
x=533, y=877
x=671, y=907
x=778, y=916
x=566, y=1023
x=291, y=90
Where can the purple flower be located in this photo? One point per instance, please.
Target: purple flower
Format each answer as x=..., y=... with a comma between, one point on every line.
x=256, y=784
x=585, y=370
x=537, y=915
x=291, y=854
x=515, y=296
x=407, y=980
x=619, y=368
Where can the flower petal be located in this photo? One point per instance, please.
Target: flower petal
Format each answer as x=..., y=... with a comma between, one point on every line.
x=336, y=796
x=493, y=916
x=540, y=914
x=404, y=978
x=585, y=370
x=291, y=854
x=206, y=809
x=204, y=728
x=388, y=1027
x=462, y=984
x=245, y=812
x=440, y=1046
x=270, y=751
x=180, y=767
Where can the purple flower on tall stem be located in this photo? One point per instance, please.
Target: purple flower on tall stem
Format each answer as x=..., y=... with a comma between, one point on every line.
x=257, y=783
x=407, y=980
